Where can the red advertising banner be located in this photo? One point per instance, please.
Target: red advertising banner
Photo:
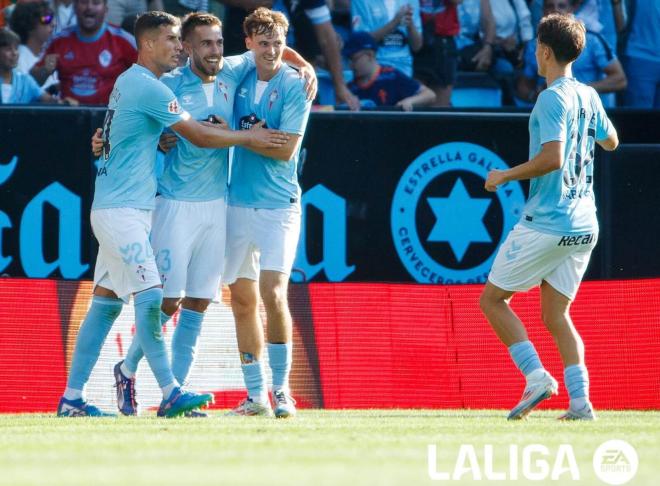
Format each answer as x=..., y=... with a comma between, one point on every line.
x=355, y=346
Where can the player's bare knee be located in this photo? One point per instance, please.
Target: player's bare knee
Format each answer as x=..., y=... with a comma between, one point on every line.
x=169, y=306
x=275, y=297
x=242, y=303
x=195, y=304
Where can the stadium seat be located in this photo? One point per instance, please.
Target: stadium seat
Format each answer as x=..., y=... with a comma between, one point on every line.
x=476, y=90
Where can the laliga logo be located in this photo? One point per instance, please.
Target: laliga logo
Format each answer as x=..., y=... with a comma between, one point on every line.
x=615, y=462
x=446, y=228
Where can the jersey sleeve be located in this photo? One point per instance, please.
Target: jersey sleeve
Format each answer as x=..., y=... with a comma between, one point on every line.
x=552, y=117
x=296, y=109
x=407, y=85
x=317, y=11
x=240, y=66
x=161, y=104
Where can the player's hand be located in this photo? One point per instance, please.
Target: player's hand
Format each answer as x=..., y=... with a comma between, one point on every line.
x=484, y=58
x=308, y=74
x=495, y=178
x=50, y=62
x=167, y=141
x=97, y=142
x=218, y=121
x=344, y=95
x=405, y=105
x=266, y=137
x=67, y=100
x=407, y=16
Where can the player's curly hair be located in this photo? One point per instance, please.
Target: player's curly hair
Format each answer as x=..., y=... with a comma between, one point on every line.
x=195, y=19
x=25, y=17
x=264, y=21
x=564, y=34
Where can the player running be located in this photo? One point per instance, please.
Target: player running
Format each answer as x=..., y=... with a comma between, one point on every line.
x=263, y=217
x=140, y=106
x=552, y=243
x=189, y=223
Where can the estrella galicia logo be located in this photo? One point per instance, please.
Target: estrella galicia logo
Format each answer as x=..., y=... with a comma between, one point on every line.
x=248, y=121
x=445, y=226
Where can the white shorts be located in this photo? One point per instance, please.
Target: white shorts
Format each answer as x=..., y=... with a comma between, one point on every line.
x=260, y=239
x=189, y=242
x=527, y=257
x=125, y=263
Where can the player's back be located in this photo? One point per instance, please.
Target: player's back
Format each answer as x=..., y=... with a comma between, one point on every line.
x=140, y=107
x=562, y=201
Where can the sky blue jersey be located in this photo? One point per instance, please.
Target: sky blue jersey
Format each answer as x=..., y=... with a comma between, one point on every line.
x=24, y=89
x=264, y=182
x=393, y=50
x=562, y=201
x=192, y=173
x=140, y=107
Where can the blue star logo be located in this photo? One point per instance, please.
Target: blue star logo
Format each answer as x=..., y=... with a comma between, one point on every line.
x=459, y=219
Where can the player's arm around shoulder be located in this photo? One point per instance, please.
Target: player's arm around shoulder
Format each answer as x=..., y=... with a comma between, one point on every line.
x=208, y=135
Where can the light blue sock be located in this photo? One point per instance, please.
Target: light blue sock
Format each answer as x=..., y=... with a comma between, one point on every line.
x=280, y=358
x=576, y=379
x=134, y=354
x=150, y=336
x=184, y=342
x=525, y=357
x=93, y=331
x=255, y=381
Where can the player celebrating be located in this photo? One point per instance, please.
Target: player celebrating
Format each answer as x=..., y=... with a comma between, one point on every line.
x=189, y=223
x=263, y=217
x=552, y=243
x=140, y=106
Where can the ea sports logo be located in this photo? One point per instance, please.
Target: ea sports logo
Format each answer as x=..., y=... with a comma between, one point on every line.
x=615, y=462
x=446, y=228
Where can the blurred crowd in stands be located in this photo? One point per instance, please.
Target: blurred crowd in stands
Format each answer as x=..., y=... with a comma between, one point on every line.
x=367, y=53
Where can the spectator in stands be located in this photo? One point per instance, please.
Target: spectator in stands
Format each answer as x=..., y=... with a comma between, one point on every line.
x=395, y=25
x=17, y=87
x=476, y=39
x=90, y=56
x=642, y=55
x=381, y=85
x=65, y=15
x=436, y=62
x=597, y=66
x=316, y=11
x=34, y=24
x=120, y=10
x=513, y=27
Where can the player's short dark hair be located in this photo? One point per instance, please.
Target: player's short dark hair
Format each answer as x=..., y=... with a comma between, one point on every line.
x=195, y=19
x=9, y=38
x=264, y=21
x=25, y=17
x=150, y=21
x=564, y=34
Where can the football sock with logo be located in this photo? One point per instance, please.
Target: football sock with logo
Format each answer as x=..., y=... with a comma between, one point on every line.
x=93, y=331
x=255, y=378
x=134, y=354
x=279, y=358
x=525, y=357
x=150, y=336
x=576, y=379
x=184, y=342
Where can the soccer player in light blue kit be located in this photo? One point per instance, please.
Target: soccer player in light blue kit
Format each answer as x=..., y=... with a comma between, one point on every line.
x=189, y=223
x=140, y=107
x=552, y=243
x=263, y=218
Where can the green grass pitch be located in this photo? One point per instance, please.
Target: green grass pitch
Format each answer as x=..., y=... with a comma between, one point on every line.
x=371, y=447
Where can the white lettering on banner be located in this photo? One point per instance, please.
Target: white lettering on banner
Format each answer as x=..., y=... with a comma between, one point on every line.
x=534, y=459
x=333, y=263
